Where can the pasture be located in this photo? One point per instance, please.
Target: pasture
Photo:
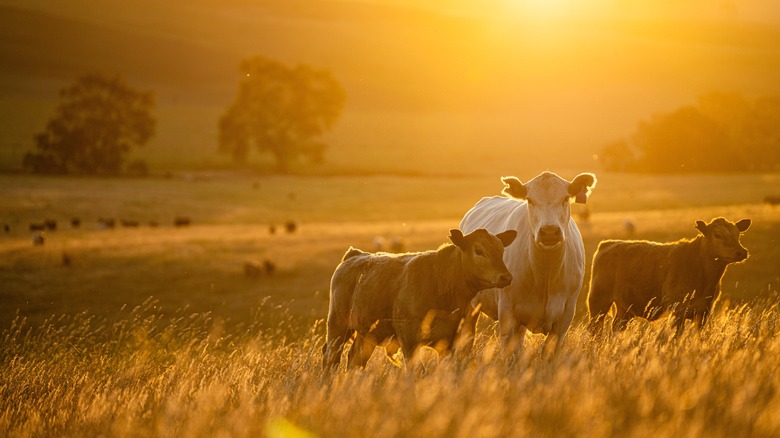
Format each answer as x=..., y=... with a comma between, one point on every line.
x=158, y=331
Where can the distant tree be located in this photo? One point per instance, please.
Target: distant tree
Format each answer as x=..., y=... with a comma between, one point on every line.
x=761, y=135
x=683, y=141
x=99, y=119
x=730, y=110
x=280, y=110
x=723, y=132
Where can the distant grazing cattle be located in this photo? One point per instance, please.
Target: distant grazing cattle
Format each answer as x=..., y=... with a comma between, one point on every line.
x=647, y=278
x=67, y=258
x=255, y=269
x=252, y=269
x=547, y=260
x=6, y=228
x=38, y=238
x=129, y=223
x=75, y=222
x=379, y=243
x=37, y=226
x=290, y=226
x=269, y=267
x=154, y=224
x=397, y=244
x=410, y=300
x=182, y=221
x=271, y=229
x=629, y=227
x=106, y=223
x=772, y=199
x=50, y=224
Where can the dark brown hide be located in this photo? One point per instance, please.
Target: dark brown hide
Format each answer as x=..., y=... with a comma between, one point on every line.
x=412, y=299
x=647, y=279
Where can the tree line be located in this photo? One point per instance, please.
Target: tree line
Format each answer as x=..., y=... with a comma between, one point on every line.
x=278, y=109
x=282, y=111
x=722, y=132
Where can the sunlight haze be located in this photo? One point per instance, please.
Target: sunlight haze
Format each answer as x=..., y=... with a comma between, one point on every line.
x=439, y=78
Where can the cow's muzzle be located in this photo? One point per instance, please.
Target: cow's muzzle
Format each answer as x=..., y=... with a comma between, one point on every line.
x=504, y=280
x=549, y=237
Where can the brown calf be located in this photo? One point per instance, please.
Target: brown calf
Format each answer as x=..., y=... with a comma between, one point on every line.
x=412, y=299
x=647, y=278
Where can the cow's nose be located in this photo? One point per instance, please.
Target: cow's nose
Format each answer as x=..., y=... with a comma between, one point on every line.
x=550, y=234
x=505, y=280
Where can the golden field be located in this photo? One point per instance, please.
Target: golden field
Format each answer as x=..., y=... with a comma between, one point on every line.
x=184, y=375
x=157, y=331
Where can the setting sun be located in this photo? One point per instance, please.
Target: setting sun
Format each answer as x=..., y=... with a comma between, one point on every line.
x=543, y=9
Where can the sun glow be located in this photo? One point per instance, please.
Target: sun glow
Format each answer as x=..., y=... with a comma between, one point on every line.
x=543, y=9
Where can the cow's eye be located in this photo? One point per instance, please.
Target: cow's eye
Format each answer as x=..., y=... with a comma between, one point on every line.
x=479, y=252
x=718, y=236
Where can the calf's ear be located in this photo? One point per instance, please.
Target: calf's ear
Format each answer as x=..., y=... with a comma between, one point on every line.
x=582, y=183
x=507, y=237
x=514, y=187
x=701, y=226
x=456, y=236
x=743, y=225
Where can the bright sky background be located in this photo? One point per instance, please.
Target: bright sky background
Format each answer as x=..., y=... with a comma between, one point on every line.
x=742, y=10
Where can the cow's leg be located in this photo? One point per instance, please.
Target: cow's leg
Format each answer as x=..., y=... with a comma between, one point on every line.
x=701, y=317
x=409, y=338
x=464, y=340
x=443, y=348
x=702, y=311
x=554, y=339
x=361, y=351
x=678, y=322
x=682, y=313
x=599, y=303
x=391, y=348
x=622, y=316
x=412, y=361
x=334, y=345
x=337, y=335
x=511, y=334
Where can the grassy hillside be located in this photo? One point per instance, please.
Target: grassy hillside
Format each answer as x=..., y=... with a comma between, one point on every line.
x=202, y=266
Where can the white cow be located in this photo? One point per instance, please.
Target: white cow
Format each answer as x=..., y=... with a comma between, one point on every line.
x=547, y=260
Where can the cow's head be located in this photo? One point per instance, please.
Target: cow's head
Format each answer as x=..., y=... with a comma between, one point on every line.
x=483, y=257
x=549, y=200
x=721, y=239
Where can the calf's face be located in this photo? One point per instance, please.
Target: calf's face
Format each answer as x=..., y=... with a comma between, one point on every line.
x=721, y=239
x=483, y=257
x=549, y=200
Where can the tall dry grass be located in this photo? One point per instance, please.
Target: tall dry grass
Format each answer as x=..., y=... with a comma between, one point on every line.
x=186, y=375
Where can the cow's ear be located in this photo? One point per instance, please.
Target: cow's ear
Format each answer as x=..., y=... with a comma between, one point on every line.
x=507, y=237
x=582, y=183
x=701, y=226
x=743, y=225
x=514, y=187
x=456, y=236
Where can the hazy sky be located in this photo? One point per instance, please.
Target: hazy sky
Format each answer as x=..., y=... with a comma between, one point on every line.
x=743, y=10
